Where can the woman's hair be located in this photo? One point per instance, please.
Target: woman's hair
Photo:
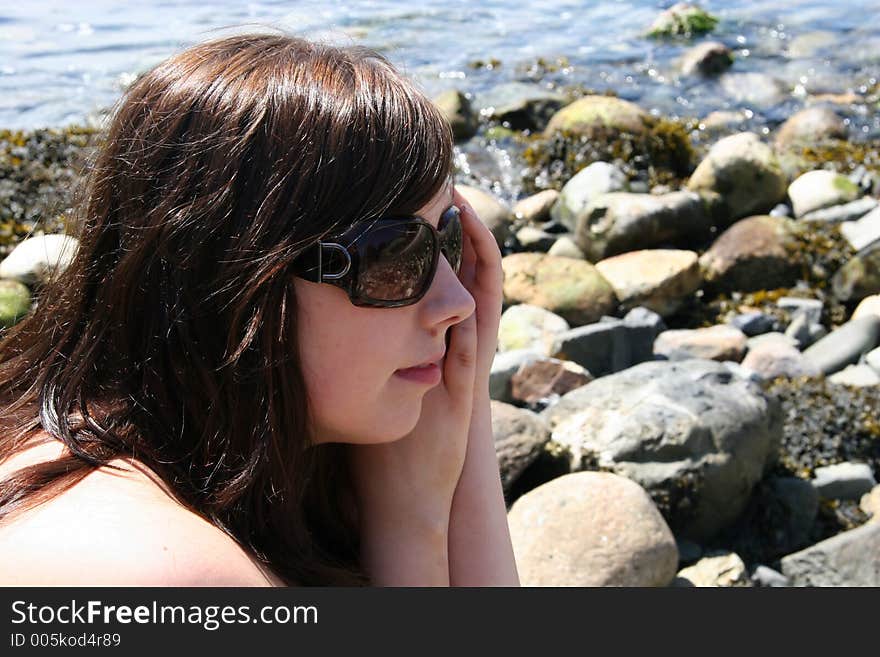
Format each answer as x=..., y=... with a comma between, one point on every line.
x=172, y=336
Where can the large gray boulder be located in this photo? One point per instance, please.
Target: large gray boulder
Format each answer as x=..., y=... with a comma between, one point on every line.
x=851, y=558
x=620, y=221
x=693, y=434
x=745, y=172
x=583, y=188
x=591, y=529
x=456, y=107
x=520, y=435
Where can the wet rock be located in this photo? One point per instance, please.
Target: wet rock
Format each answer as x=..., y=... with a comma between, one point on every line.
x=612, y=345
x=15, y=302
x=812, y=308
x=494, y=215
x=457, y=109
x=845, y=345
x=745, y=171
x=811, y=125
x=819, y=189
x=536, y=208
x=757, y=253
x=764, y=576
x=707, y=58
x=520, y=436
x=754, y=89
x=590, y=114
x=809, y=44
x=619, y=222
x=863, y=232
x=693, y=434
x=573, y=289
x=723, y=120
x=525, y=326
x=520, y=106
x=535, y=239
x=591, y=529
x=504, y=366
x=542, y=379
x=870, y=504
x=859, y=277
x=856, y=375
x=37, y=259
x=718, y=342
x=585, y=186
x=772, y=358
x=753, y=323
x=840, y=213
x=565, y=247
x=656, y=279
x=851, y=558
x=682, y=19
x=844, y=481
x=717, y=569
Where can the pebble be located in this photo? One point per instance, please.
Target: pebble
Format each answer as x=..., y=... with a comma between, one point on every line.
x=843, y=481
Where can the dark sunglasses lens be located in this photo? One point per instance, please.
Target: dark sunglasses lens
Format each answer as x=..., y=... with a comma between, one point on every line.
x=451, y=239
x=395, y=262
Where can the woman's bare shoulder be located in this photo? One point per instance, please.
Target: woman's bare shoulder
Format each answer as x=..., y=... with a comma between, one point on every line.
x=119, y=529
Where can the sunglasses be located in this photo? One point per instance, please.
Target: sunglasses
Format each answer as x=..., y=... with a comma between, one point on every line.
x=390, y=264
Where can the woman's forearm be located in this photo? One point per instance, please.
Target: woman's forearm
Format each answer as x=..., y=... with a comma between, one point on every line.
x=480, y=550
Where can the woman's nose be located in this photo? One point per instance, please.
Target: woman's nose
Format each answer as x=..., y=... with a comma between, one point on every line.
x=447, y=302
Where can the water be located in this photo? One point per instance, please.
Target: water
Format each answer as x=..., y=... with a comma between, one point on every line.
x=62, y=65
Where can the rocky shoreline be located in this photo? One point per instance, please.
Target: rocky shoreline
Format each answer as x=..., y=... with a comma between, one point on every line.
x=688, y=377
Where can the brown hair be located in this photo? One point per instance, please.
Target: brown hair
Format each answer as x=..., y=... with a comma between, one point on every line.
x=171, y=338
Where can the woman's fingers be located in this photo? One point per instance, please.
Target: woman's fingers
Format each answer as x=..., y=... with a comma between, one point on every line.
x=482, y=242
x=459, y=366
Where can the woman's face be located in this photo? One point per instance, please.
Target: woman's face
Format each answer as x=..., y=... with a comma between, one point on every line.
x=350, y=354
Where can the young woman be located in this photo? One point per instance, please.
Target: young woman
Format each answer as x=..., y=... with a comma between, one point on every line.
x=268, y=362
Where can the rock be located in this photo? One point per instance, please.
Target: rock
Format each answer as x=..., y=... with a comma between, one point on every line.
x=809, y=126
x=611, y=346
x=591, y=529
x=524, y=326
x=657, y=279
x=799, y=330
x=859, y=277
x=520, y=105
x=688, y=551
x=694, y=435
x=717, y=569
x=767, y=577
x=774, y=337
x=843, y=481
x=780, y=210
x=757, y=253
x=753, y=323
x=619, y=222
x=36, y=259
x=682, y=19
x=495, y=216
x=565, y=247
x=591, y=115
x=867, y=306
x=773, y=358
x=584, y=187
x=456, y=107
x=799, y=504
x=844, y=345
x=851, y=558
x=535, y=239
x=746, y=173
x=856, y=375
x=536, y=208
x=520, y=436
x=504, y=366
x=755, y=90
x=723, y=120
x=809, y=44
x=707, y=58
x=872, y=358
x=718, y=342
x=542, y=379
x=811, y=308
x=870, y=504
x=819, y=189
x=840, y=213
x=573, y=289
x=15, y=302
x=863, y=232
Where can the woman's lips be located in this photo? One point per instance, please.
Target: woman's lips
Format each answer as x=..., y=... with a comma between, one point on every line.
x=428, y=375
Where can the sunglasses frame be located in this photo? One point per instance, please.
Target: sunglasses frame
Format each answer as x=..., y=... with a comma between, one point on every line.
x=310, y=264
